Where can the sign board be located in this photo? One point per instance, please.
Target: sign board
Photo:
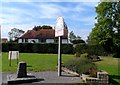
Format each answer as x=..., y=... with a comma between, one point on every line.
x=59, y=27
x=13, y=55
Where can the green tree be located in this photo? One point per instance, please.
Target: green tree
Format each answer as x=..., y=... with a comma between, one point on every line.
x=46, y=27
x=107, y=29
x=72, y=36
x=15, y=33
x=75, y=39
x=37, y=28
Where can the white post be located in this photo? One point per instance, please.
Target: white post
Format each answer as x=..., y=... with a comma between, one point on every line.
x=59, y=57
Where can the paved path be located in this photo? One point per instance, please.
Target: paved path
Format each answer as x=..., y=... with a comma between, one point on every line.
x=48, y=77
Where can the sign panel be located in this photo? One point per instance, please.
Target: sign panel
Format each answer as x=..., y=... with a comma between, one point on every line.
x=13, y=54
x=59, y=27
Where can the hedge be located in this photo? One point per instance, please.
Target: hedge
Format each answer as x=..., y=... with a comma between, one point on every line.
x=91, y=49
x=37, y=47
x=95, y=50
x=53, y=48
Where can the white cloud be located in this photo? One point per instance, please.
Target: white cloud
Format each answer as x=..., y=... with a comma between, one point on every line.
x=45, y=10
x=83, y=33
x=49, y=11
x=90, y=4
x=6, y=28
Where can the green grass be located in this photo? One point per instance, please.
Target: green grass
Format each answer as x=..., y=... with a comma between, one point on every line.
x=110, y=65
x=35, y=62
x=0, y=62
x=45, y=62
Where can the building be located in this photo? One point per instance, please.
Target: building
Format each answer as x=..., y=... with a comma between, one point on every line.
x=42, y=36
x=4, y=40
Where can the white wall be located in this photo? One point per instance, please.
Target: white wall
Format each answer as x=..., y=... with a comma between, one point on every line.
x=49, y=40
x=31, y=40
x=64, y=41
x=36, y=40
x=19, y=40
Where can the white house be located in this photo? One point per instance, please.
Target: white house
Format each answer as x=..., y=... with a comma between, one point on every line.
x=43, y=35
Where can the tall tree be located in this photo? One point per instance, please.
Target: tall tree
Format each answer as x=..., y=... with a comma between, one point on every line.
x=107, y=29
x=75, y=39
x=46, y=27
x=15, y=33
x=72, y=36
x=37, y=28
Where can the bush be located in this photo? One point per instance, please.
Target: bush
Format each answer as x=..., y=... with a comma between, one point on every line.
x=67, y=48
x=84, y=55
x=81, y=48
x=36, y=47
x=93, y=72
x=81, y=65
x=77, y=54
x=95, y=50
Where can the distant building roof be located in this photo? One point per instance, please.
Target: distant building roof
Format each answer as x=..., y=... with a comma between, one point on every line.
x=43, y=33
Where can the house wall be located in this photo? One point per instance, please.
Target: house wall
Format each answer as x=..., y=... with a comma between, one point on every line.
x=37, y=40
x=49, y=40
x=64, y=41
x=19, y=40
x=31, y=40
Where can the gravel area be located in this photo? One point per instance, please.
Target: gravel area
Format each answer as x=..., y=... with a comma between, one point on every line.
x=46, y=77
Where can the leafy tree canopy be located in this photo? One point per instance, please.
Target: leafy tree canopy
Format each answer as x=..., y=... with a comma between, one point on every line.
x=107, y=29
x=37, y=28
x=15, y=33
x=75, y=39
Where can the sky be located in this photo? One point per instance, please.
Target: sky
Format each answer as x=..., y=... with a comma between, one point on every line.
x=79, y=16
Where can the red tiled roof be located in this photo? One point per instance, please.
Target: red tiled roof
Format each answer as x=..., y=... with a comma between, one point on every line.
x=43, y=33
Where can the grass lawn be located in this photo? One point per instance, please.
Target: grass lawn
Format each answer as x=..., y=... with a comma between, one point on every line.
x=45, y=62
x=35, y=62
x=110, y=65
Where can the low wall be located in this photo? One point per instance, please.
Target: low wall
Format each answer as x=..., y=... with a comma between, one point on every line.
x=102, y=77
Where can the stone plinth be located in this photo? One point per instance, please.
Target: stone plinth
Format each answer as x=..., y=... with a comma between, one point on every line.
x=22, y=71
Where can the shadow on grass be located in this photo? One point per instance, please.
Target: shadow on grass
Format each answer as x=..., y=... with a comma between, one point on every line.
x=29, y=66
x=112, y=77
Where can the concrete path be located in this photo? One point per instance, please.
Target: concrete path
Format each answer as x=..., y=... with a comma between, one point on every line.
x=47, y=77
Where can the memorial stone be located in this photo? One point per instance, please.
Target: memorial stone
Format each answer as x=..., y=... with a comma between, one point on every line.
x=22, y=71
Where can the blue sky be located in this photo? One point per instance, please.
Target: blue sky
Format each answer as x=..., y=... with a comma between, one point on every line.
x=79, y=16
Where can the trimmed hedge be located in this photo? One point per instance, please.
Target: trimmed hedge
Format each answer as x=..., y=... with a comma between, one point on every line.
x=81, y=48
x=91, y=49
x=53, y=48
x=37, y=47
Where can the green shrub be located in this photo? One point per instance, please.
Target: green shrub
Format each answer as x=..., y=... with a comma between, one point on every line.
x=84, y=55
x=93, y=71
x=81, y=48
x=95, y=49
x=67, y=48
x=77, y=54
x=79, y=65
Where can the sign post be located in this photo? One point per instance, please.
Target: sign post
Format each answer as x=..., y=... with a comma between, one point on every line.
x=59, y=32
x=59, y=57
x=13, y=55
